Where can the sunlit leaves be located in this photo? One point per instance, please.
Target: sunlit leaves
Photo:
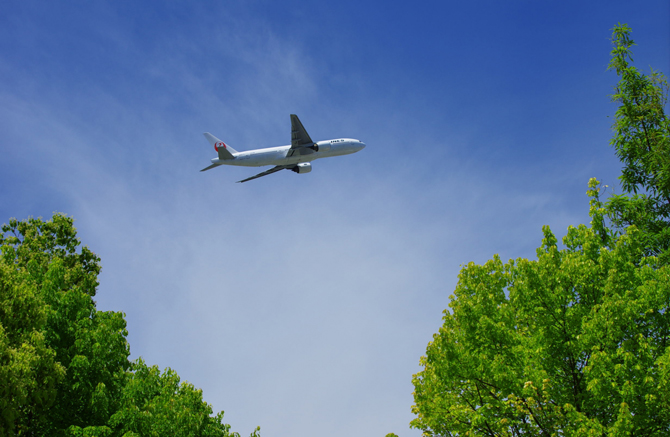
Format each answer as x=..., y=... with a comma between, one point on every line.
x=45, y=260
x=158, y=404
x=573, y=343
x=576, y=342
x=64, y=366
x=29, y=371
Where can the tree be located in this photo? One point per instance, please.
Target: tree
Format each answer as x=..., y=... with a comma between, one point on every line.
x=89, y=344
x=64, y=367
x=577, y=342
x=642, y=143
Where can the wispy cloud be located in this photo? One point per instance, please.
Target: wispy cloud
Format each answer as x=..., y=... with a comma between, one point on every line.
x=297, y=302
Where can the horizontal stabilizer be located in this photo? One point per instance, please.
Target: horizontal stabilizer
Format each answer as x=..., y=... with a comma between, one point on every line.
x=224, y=150
x=210, y=167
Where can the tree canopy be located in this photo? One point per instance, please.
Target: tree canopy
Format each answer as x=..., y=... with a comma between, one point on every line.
x=576, y=342
x=64, y=367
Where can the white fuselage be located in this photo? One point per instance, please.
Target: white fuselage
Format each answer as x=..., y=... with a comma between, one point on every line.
x=277, y=155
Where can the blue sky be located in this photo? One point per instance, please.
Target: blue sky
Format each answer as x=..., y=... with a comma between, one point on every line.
x=302, y=303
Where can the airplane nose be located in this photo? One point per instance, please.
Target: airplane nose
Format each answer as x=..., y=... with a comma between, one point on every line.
x=361, y=145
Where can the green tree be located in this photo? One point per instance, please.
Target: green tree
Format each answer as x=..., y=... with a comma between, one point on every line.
x=90, y=344
x=577, y=342
x=64, y=367
x=642, y=143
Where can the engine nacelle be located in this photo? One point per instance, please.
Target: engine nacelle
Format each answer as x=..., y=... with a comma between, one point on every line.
x=322, y=146
x=303, y=167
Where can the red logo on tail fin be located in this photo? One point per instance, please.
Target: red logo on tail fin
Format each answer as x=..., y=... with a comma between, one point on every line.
x=217, y=145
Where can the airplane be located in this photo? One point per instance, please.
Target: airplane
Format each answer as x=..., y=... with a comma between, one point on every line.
x=296, y=157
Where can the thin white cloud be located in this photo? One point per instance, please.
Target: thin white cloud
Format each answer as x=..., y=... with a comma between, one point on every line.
x=296, y=302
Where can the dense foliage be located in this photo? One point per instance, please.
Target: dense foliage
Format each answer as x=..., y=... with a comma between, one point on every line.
x=576, y=343
x=64, y=367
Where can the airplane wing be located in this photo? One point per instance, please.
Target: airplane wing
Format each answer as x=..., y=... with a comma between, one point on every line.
x=267, y=172
x=300, y=140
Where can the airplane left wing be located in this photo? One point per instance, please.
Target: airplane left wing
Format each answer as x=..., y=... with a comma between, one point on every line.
x=301, y=142
x=267, y=172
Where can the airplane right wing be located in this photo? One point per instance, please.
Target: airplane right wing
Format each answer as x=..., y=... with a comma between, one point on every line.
x=301, y=142
x=267, y=172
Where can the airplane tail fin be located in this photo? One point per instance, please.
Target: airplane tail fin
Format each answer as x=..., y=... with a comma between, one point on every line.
x=224, y=150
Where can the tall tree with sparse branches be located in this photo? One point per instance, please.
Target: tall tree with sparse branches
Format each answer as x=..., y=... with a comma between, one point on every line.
x=642, y=143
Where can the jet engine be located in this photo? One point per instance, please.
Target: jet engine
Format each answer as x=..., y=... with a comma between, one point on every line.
x=303, y=167
x=323, y=146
